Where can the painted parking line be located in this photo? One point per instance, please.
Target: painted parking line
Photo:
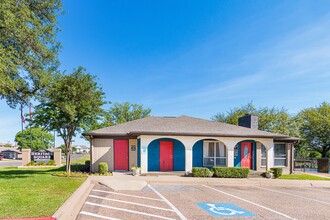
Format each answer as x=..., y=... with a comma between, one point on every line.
x=248, y=201
x=132, y=203
x=290, y=194
x=97, y=216
x=128, y=195
x=182, y=217
x=128, y=210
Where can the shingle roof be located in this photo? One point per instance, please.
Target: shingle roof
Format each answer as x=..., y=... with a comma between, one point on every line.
x=182, y=125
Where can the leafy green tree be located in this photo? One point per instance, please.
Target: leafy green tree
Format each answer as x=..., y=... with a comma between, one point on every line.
x=315, y=128
x=34, y=138
x=63, y=149
x=28, y=47
x=276, y=120
x=70, y=104
x=123, y=112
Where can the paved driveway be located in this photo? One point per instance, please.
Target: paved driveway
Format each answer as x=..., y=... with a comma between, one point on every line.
x=10, y=163
x=171, y=201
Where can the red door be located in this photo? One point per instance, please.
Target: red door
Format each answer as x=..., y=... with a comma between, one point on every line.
x=246, y=154
x=166, y=156
x=121, y=154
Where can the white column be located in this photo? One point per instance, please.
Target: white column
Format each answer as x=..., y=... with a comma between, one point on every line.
x=230, y=157
x=189, y=157
x=144, y=155
x=270, y=156
x=188, y=145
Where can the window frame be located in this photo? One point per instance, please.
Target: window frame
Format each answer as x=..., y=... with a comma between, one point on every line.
x=215, y=154
x=263, y=158
x=281, y=158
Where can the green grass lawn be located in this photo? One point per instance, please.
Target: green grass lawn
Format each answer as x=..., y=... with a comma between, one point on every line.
x=81, y=160
x=34, y=192
x=302, y=177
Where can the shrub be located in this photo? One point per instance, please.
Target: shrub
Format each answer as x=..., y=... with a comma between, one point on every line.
x=200, y=172
x=277, y=171
x=51, y=163
x=103, y=168
x=31, y=163
x=230, y=172
x=87, y=165
x=40, y=163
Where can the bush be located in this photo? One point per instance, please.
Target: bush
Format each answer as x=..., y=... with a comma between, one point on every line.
x=40, y=163
x=103, y=168
x=87, y=165
x=277, y=171
x=31, y=163
x=200, y=172
x=230, y=172
x=51, y=163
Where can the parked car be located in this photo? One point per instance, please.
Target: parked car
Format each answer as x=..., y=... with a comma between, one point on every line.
x=1, y=156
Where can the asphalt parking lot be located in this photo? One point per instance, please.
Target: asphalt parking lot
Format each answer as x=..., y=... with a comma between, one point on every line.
x=10, y=163
x=168, y=201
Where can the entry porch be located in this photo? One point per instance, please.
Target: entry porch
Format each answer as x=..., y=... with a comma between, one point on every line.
x=182, y=153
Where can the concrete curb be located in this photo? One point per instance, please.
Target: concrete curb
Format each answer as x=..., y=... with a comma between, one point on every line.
x=71, y=207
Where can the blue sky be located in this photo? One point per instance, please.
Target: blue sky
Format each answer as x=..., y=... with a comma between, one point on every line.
x=197, y=58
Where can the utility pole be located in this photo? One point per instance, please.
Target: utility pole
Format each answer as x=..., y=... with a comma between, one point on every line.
x=22, y=121
x=30, y=127
x=54, y=139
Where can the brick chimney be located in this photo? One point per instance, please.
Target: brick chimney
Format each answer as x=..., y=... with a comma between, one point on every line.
x=249, y=121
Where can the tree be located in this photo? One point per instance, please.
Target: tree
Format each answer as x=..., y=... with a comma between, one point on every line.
x=276, y=120
x=28, y=47
x=63, y=148
x=315, y=128
x=70, y=104
x=37, y=136
x=123, y=112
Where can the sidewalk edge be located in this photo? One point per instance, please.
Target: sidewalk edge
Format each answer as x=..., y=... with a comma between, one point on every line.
x=72, y=206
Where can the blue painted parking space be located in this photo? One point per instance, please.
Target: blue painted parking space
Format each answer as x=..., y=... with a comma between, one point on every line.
x=224, y=210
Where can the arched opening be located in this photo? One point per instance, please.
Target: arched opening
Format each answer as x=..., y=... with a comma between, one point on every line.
x=166, y=154
x=209, y=153
x=245, y=154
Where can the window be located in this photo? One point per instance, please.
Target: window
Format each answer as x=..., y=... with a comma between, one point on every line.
x=279, y=155
x=214, y=153
x=263, y=156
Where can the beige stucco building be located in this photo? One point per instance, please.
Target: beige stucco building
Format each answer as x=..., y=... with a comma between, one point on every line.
x=181, y=143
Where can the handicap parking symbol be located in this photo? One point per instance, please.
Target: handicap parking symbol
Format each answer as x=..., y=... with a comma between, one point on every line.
x=224, y=210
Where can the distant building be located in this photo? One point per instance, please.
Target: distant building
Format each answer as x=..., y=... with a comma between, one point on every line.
x=81, y=148
x=10, y=153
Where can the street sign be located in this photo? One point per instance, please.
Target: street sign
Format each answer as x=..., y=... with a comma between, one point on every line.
x=224, y=210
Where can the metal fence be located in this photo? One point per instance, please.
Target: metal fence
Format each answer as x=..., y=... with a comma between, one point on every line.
x=306, y=165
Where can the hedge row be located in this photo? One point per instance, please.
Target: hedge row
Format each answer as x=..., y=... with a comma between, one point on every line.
x=200, y=172
x=231, y=172
x=221, y=172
